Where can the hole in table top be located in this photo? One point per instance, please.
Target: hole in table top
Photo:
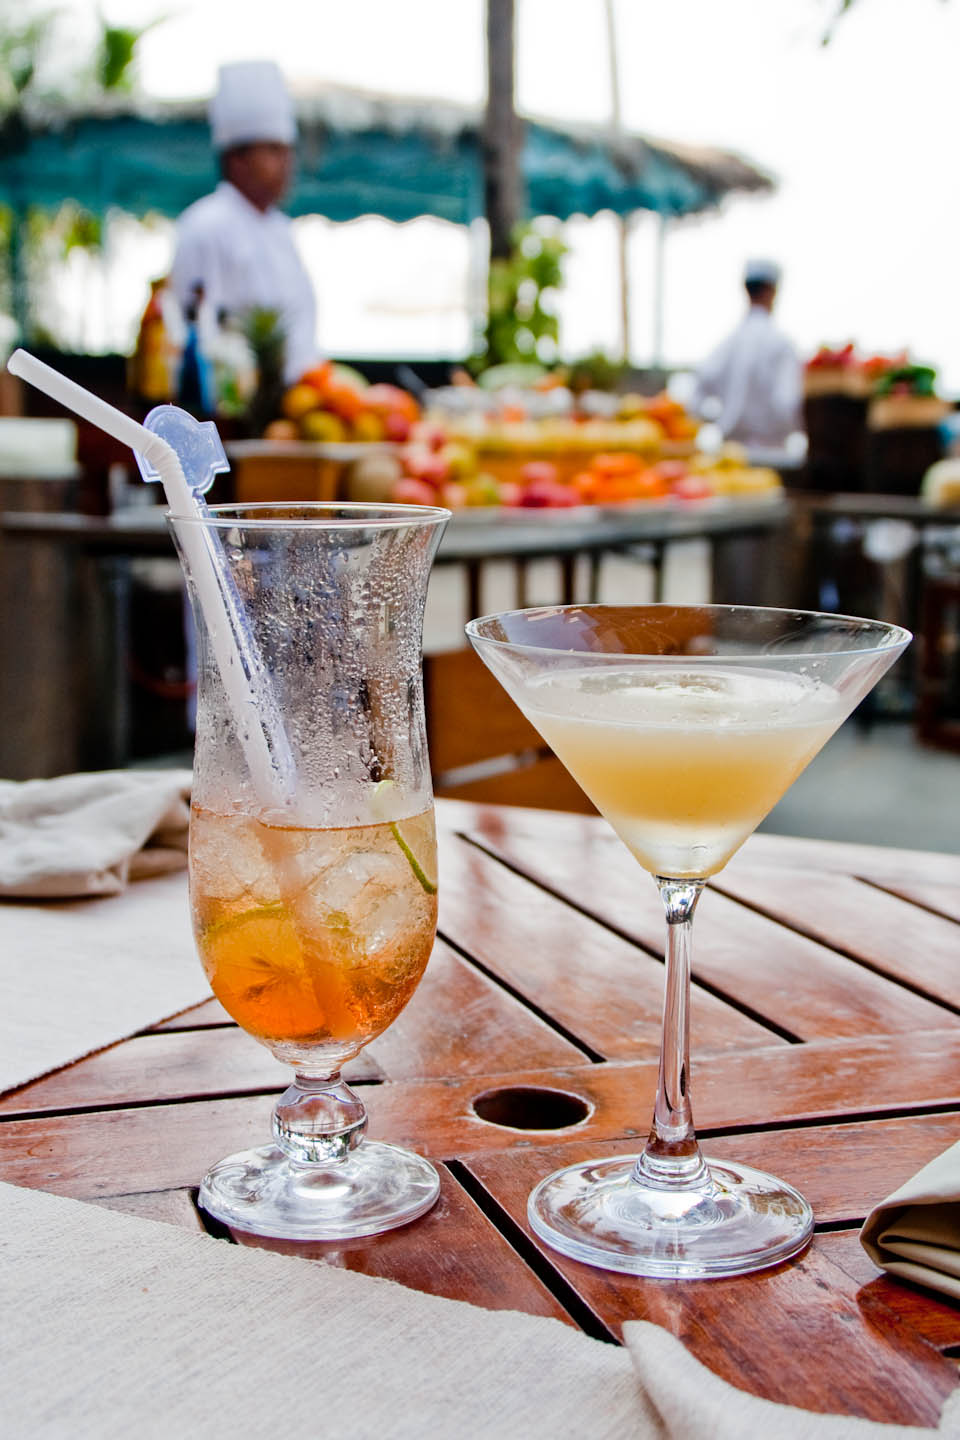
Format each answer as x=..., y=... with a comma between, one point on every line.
x=530, y=1107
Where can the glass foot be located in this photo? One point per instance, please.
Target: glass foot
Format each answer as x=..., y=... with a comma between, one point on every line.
x=264, y=1192
x=598, y=1212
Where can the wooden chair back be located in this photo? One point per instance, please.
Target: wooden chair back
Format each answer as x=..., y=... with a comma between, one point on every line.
x=481, y=746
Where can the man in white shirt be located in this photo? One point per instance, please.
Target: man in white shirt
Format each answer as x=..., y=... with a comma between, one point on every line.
x=235, y=243
x=755, y=377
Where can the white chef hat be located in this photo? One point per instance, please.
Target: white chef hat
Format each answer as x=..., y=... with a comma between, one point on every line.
x=761, y=272
x=252, y=104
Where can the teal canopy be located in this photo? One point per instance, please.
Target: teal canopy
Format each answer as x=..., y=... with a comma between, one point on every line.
x=358, y=155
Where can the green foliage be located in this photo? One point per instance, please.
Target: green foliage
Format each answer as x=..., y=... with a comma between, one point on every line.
x=522, y=325
x=68, y=228
x=267, y=340
x=117, y=47
x=908, y=379
x=116, y=54
x=595, y=371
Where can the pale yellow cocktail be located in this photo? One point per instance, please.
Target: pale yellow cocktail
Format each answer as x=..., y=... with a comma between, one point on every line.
x=683, y=763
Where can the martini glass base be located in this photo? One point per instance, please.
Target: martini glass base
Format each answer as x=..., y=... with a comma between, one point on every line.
x=599, y=1213
x=376, y=1187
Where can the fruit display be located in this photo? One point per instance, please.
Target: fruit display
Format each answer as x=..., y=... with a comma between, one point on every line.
x=566, y=430
x=836, y=370
x=843, y=370
x=513, y=450
x=905, y=397
x=333, y=405
x=439, y=471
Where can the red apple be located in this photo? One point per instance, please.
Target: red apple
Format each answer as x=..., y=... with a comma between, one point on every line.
x=415, y=459
x=536, y=496
x=435, y=471
x=433, y=436
x=396, y=427
x=413, y=492
x=386, y=398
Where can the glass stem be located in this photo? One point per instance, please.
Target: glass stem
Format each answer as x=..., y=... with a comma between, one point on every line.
x=318, y=1119
x=672, y=1158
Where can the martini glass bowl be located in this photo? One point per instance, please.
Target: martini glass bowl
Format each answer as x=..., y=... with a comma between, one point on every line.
x=684, y=725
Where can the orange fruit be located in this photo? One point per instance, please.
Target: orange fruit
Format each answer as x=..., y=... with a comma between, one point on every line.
x=323, y=427
x=298, y=401
x=368, y=426
x=344, y=401
x=319, y=377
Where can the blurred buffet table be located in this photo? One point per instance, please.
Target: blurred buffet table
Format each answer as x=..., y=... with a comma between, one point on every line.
x=68, y=642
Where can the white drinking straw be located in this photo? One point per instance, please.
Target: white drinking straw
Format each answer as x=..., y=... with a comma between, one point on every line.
x=247, y=686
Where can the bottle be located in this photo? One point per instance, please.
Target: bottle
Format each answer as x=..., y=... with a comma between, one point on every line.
x=195, y=380
x=150, y=372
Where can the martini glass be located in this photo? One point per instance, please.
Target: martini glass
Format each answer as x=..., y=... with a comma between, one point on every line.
x=684, y=725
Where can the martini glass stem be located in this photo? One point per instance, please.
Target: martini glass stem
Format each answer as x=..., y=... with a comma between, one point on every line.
x=672, y=1158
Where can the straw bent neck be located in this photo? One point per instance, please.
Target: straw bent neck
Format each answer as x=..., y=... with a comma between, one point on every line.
x=244, y=677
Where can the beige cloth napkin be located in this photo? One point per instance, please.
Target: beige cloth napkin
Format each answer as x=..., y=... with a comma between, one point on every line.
x=81, y=974
x=113, y=1326
x=89, y=834
x=915, y=1232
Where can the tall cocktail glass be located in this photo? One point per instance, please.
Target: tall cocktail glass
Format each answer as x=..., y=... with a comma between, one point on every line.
x=314, y=908
x=684, y=725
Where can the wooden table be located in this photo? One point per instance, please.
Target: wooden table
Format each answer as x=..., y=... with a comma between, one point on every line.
x=826, y=1031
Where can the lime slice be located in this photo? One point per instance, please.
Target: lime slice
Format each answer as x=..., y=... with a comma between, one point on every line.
x=383, y=796
x=242, y=918
x=384, y=800
x=430, y=886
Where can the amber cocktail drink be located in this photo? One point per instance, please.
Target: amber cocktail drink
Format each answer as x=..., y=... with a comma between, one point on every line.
x=313, y=867
x=313, y=938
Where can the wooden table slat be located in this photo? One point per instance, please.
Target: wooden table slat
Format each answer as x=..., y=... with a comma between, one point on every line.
x=882, y=930
x=166, y=1146
x=934, y=1317
x=460, y=1023
x=207, y=1015
x=941, y=899
x=799, y=983
x=602, y=989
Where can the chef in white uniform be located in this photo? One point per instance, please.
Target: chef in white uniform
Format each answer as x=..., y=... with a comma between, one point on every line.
x=235, y=243
x=752, y=385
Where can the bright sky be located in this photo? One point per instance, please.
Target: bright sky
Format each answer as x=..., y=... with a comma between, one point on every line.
x=862, y=136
